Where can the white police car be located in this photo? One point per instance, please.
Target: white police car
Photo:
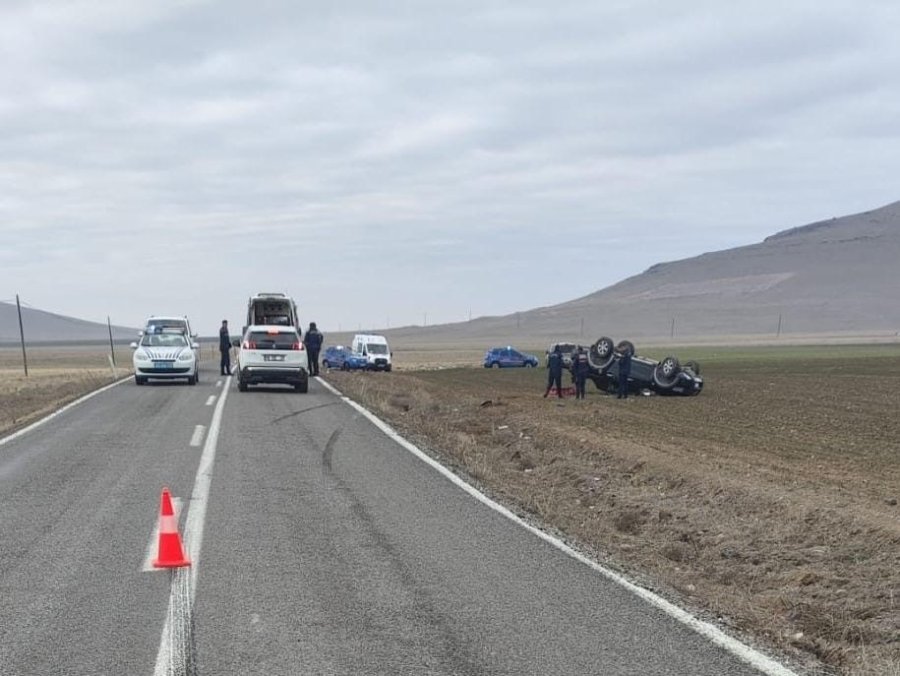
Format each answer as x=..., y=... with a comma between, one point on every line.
x=166, y=355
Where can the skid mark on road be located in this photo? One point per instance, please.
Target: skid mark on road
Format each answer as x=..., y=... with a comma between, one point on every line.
x=305, y=410
x=328, y=453
x=412, y=604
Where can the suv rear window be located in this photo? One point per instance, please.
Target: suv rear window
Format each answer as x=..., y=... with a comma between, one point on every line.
x=263, y=340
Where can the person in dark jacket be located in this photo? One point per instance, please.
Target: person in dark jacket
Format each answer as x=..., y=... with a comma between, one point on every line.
x=554, y=372
x=580, y=370
x=313, y=342
x=624, y=373
x=225, y=349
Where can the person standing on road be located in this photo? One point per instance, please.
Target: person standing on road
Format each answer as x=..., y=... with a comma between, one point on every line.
x=225, y=349
x=580, y=370
x=313, y=344
x=554, y=372
x=624, y=373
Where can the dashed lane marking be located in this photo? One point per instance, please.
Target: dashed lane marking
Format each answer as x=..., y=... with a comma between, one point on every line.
x=211, y=400
x=197, y=437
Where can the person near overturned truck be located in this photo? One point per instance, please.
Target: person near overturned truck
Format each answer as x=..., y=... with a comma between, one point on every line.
x=313, y=342
x=580, y=370
x=554, y=372
x=624, y=372
x=225, y=349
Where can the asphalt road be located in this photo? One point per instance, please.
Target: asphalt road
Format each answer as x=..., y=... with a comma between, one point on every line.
x=326, y=548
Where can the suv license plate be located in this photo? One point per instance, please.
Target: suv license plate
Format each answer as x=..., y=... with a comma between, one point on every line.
x=273, y=357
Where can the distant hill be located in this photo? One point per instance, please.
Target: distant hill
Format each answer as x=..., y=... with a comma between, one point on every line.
x=835, y=278
x=839, y=277
x=43, y=327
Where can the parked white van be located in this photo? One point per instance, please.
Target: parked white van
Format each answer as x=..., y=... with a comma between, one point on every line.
x=375, y=349
x=271, y=309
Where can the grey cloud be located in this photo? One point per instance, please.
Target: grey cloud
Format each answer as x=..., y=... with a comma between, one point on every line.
x=427, y=149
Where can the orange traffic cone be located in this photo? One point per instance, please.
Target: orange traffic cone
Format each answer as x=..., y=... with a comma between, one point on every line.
x=170, y=554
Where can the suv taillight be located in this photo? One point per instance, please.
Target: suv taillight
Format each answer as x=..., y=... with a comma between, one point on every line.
x=297, y=346
x=249, y=345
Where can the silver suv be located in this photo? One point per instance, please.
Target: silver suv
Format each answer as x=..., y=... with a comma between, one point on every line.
x=567, y=349
x=272, y=354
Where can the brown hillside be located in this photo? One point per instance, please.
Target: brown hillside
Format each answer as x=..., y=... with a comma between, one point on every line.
x=834, y=278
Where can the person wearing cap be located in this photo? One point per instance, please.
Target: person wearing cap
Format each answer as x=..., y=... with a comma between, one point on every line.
x=313, y=342
x=225, y=349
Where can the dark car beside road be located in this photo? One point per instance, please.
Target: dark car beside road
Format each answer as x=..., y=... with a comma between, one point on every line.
x=343, y=358
x=506, y=357
x=668, y=377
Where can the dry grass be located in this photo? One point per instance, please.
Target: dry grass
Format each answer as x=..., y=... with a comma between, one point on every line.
x=768, y=503
x=55, y=377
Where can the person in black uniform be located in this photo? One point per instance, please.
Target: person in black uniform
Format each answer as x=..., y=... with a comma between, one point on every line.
x=580, y=370
x=624, y=373
x=313, y=342
x=554, y=372
x=225, y=349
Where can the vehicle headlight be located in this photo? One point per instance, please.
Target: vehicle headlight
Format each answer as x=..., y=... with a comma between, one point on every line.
x=140, y=355
x=186, y=355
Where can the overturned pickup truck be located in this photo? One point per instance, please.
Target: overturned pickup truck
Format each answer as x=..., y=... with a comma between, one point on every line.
x=668, y=376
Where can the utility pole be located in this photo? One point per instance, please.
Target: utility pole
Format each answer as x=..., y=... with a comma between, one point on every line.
x=778, y=333
x=22, y=336
x=672, y=333
x=112, y=349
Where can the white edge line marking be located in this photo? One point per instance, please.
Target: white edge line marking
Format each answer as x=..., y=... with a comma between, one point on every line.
x=60, y=411
x=197, y=436
x=150, y=554
x=744, y=652
x=193, y=527
x=211, y=400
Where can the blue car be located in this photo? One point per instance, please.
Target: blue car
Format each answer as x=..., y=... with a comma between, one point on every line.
x=343, y=358
x=504, y=357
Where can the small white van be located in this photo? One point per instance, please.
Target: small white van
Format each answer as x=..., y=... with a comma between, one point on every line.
x=375, y=349
x=271, y=309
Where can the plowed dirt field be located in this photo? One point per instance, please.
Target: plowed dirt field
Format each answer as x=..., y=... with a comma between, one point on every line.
x=768, y=503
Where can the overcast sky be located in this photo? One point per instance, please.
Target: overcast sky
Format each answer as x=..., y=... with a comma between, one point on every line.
x=408, y=162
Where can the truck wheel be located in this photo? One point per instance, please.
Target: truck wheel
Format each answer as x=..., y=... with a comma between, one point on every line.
x=665, y=375
x=601, y=354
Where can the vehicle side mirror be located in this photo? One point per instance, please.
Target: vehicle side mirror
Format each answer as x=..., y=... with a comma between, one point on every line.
x=195, y=346
x=235, y=343
x=133, y=346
